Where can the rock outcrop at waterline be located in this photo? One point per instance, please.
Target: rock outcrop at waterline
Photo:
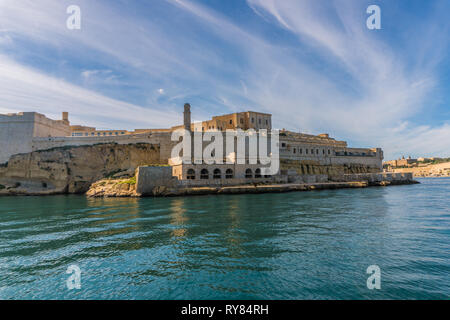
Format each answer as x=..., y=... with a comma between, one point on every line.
x=73, y=169
x=116, y=188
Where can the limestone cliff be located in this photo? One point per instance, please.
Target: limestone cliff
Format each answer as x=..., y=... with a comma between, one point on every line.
x=73, y=169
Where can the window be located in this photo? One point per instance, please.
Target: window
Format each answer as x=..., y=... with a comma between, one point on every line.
x=312, y=151
x=229, y=174
x=191, y=174
x=217, y=174
x=258, y=173
x=231, y=121
x=253, y=120
x=301, y=151
x=267, y=122
x=329, y=151
x=283, y=145
x=259, y=121
x=317, y=151
x=295, y=150
x=241, y=121
x=323, y=151
x=306, y=151
x=204, y=174
x=248, y=173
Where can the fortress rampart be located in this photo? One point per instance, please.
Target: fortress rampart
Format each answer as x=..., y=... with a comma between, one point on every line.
x=30, y=131
x=17, y=131
x=160, y=138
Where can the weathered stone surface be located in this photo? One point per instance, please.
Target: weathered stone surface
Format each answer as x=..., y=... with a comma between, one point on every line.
x=73, y=169
x=113, y=188
x=152, y=180
x=314, y=168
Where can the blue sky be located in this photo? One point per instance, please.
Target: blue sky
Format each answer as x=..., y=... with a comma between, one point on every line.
x=313, y=64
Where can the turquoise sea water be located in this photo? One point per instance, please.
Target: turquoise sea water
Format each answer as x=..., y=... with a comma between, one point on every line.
x=304, y=245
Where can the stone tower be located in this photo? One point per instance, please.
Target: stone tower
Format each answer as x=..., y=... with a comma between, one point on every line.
x=65, y=117
x=187, y=117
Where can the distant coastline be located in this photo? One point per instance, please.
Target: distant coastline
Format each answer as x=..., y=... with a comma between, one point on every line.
x=421, y=167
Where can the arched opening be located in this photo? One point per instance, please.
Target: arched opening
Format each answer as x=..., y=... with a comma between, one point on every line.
x=217, y=174
x=229, y=174
x=191, y=174
x=258, y=173
x=249, y=173
x=204, y=174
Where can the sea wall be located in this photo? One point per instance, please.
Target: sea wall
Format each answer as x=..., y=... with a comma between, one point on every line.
x=151, y=180
x=159, y=181
x=376, y=178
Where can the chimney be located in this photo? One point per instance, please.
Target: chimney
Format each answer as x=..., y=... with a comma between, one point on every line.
x=187, y=117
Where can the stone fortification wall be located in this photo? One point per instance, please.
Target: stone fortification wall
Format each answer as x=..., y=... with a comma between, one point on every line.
x=149, y=178
x=318, y=168
x=152, y=180
x=162, y=139
x=375, y=177
x=45, y=127
x=18, y=130
x=327, y=155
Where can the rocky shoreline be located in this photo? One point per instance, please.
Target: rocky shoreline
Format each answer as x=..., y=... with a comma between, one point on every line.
x=128, y=187
x=119, y=188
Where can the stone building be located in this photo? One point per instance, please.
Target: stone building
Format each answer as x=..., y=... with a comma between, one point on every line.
x=402, y=162
x=239, y=120
x=17, y=131
x=27, y=132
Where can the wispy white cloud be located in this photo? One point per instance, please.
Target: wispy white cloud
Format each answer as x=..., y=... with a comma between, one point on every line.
x=335, y=77
x=29, y=90
x=381, y=89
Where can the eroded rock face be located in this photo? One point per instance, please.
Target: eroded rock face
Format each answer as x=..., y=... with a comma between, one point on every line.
x=73, y=169
x=314, y=168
